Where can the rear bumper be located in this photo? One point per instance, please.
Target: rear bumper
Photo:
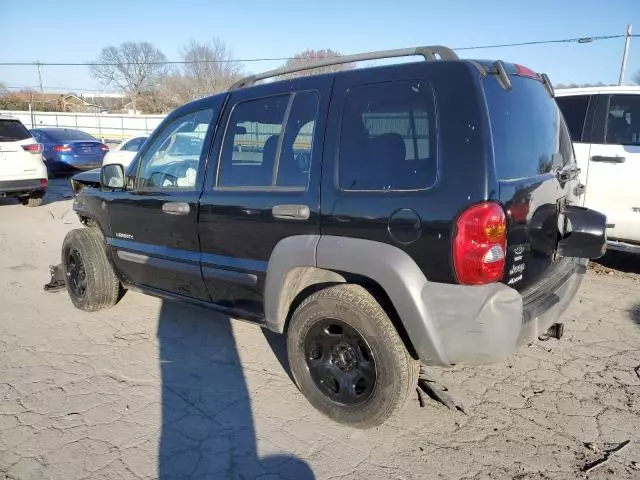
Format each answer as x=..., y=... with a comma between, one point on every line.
x=71, y=163
x=485, y=324
x=19, y=187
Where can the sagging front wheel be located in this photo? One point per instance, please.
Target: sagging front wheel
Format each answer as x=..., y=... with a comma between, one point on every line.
x=347, y=357
x=91, y=283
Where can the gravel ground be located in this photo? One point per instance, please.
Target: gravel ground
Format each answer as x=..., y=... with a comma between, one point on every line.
x=152, y=389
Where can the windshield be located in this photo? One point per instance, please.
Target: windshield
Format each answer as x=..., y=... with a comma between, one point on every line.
x=13, y=130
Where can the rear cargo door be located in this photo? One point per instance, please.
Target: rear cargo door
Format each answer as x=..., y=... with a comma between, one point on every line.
x=535, y=167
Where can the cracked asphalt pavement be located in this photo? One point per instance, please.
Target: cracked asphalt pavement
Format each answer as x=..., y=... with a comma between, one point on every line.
x=153, y=389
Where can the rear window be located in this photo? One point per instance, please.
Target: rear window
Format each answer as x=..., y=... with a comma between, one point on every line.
x=67, y=135
x=12, y=131
x=530, y=137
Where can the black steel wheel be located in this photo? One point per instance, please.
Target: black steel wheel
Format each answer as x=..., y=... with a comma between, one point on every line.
x=340, y=362
x=76, y=273
x=347, y=357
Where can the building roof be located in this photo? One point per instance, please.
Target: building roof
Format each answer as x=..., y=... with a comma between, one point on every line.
x=50, y=98
x=563, y=92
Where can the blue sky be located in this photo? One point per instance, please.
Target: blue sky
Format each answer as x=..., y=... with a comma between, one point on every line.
x=75, y=31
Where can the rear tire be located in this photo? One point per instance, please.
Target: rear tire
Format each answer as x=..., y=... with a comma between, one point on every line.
x=32, y=199
x=35, y=201
x=91, y=282
x=342, y=332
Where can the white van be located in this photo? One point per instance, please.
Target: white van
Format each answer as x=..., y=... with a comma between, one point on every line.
x=23, y=173
x=604, y=123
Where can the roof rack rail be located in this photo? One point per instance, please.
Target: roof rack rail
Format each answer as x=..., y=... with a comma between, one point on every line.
x=430, y=53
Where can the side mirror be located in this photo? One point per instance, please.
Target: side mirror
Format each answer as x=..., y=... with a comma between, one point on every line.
x=112, y=176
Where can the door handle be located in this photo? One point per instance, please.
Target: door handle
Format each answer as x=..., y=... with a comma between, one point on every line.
x=291, y=212
x=599, y=158
x=176, y=208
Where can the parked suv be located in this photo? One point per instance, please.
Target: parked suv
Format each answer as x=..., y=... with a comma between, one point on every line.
x=604, y=123
x=23, y=173
x=379, y=217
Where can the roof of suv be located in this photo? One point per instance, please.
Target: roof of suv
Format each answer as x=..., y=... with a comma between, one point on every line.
x=566, y=92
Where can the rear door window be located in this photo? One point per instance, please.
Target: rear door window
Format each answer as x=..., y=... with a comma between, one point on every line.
x=251, y=142
x=574, y=109
x=530, y=137
x=387, y=137
x=13, y=131
x=269, y=142
x=623, y=120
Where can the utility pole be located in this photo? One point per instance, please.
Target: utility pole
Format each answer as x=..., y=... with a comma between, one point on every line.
x=623, y=67
x=31, y=116
x=39, y=65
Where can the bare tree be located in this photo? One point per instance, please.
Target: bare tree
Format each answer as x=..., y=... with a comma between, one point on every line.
x=210, y=68
x=310, y=56
x=174, y=91
x=134, y=67
x=636, y=78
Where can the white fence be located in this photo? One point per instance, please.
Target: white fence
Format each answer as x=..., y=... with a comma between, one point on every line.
x=103, y=126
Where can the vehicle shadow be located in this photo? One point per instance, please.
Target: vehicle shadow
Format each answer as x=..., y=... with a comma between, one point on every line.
x=207, y=423
x=278, y=344
x=634, y=313
x=8, y=201
x=58, y=190
x=622, y=261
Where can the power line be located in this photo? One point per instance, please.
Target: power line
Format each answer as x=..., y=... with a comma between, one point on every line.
x=542, y=42
x=50, y=87
x=167, y=62
x=280, y=59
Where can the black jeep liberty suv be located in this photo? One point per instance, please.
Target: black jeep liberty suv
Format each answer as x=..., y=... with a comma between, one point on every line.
x=378, y=217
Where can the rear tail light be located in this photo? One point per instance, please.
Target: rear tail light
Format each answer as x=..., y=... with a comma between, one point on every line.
x=62, y=148
x=479, y=244
x=104, y=148
x=33, y=148
x=43, y=182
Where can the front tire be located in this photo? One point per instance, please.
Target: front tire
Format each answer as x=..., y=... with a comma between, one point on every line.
x=347, y=357
x=91, y=283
